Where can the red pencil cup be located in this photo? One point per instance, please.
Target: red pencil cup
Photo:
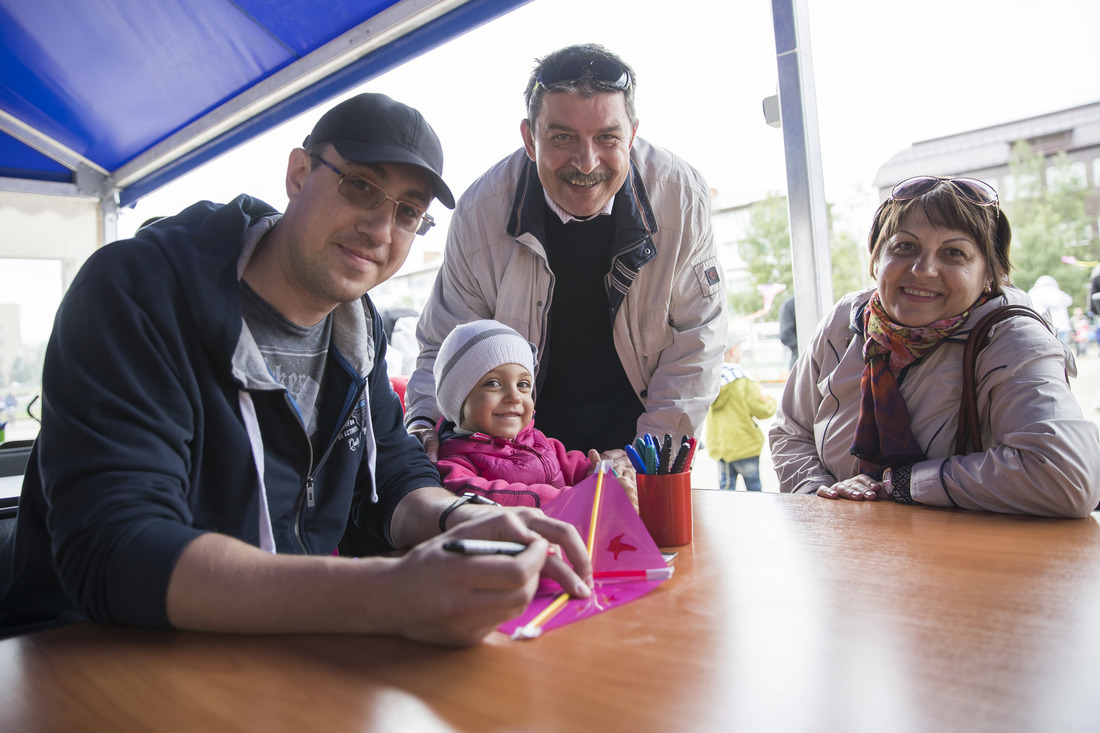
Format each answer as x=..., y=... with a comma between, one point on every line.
x=664, y=502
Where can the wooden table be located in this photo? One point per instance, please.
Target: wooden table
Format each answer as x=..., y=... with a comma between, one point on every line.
x=787, y=614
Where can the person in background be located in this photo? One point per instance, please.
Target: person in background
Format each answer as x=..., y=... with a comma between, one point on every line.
x=399, y=325
x=220, y=420
x=1053, y=303
x=489, y=442
x=10, y=411
x=1081, y=328
x=1094, y=307
x=401, y=347
x=733, y=437
x=597, y=247
x=872, y=412
x=788, y=329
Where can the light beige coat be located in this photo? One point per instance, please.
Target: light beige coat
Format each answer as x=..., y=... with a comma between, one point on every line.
x=1042, y=457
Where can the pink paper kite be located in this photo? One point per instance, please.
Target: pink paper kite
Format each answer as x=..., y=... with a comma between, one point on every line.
x=622, y=543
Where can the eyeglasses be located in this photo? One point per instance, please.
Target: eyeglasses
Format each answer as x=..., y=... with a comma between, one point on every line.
x=367, y=194
x=605, y=72
x=976, y=192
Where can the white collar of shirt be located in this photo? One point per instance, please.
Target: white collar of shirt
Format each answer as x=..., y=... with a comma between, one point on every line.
x=566, y=217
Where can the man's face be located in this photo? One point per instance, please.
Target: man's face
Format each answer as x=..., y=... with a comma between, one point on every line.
x=337, y=250
x=582, y=149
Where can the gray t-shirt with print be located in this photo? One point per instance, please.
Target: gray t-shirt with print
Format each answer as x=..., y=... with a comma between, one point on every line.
x=295, y=355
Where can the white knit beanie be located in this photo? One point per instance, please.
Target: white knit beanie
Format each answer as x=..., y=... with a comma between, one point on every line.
x=468, y=353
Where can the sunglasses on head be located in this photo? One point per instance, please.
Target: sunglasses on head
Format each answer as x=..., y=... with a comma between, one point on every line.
x=976, y=192
x=605, y=72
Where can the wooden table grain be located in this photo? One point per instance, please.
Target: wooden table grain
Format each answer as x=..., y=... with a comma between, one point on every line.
x=786, y=614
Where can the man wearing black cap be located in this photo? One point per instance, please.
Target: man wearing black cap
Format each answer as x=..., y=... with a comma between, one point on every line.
x=219, y=419
x=597, y=247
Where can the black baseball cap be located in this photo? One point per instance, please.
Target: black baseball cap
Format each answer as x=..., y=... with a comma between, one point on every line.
x=372, y=128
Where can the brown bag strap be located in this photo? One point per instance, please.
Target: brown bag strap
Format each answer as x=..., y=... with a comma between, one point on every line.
x=970, y=430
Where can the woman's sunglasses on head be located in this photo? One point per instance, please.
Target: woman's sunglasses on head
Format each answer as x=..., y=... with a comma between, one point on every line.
x=976, y=192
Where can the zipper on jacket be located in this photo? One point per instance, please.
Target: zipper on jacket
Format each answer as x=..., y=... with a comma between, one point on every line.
x=307, y=495
x=545, y=464
x=543, y=461
x=307, y=498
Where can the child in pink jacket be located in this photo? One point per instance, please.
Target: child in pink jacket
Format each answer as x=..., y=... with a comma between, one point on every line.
x=488, y=441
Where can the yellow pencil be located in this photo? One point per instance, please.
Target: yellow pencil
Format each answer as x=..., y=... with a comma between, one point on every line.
x=595, y=508
x=548, y=613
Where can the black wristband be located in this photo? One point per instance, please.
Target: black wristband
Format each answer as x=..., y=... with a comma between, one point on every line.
x=467, y=498
x=898, y=478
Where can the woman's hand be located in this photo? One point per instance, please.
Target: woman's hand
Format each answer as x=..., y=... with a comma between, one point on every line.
x=857, y=488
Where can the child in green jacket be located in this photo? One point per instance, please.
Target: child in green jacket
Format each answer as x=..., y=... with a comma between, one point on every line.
x=733, y=437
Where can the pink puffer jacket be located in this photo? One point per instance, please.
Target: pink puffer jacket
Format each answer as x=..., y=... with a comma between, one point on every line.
x=529, y=470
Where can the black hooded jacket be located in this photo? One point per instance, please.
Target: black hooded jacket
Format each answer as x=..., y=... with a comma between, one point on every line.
x=149, y=378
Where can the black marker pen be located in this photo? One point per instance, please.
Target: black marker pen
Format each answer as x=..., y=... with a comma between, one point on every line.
x=483, y=547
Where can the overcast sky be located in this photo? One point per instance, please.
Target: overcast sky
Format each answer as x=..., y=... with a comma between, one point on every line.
x=887, y=74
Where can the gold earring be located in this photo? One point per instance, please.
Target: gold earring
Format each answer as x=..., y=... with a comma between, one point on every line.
x=989, y=288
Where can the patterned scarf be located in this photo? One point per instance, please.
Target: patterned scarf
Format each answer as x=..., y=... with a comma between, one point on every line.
x=884, y=436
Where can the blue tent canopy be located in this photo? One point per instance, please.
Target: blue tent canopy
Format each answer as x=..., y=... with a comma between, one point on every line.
x=116, y=98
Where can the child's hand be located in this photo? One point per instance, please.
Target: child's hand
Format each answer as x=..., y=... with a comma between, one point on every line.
x=625, y=473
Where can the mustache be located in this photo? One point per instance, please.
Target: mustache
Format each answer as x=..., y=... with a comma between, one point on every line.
x=583, y=179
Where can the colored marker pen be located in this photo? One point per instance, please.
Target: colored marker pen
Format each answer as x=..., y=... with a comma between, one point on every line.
x=483, y=547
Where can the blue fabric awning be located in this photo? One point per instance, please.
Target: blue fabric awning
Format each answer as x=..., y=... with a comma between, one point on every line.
x=103, y=96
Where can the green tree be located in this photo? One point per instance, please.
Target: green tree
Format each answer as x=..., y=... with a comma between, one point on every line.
x=849, y=262
x=1047, y=212
x=766, y=252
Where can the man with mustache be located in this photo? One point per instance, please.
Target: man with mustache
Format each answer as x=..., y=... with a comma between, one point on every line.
x=597, y=247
